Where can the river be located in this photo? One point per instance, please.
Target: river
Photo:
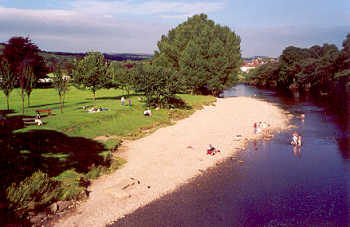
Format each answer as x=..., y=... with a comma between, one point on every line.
x=270, y=183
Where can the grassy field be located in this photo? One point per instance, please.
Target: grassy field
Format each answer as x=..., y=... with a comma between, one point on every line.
x=63, y=154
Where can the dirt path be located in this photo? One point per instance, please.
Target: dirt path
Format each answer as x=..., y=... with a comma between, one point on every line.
x=171, y=156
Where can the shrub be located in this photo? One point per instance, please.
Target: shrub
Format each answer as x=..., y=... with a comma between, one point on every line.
x=32, y=192
x=70, y=184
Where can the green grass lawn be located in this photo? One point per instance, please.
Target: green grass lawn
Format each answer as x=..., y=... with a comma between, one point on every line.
x=64, y=149
x=74, y=121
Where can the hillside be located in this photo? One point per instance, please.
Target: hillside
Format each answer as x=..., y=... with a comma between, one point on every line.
x=67, y=57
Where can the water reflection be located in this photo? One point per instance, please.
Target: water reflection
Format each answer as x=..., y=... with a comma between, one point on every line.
x=297, y=151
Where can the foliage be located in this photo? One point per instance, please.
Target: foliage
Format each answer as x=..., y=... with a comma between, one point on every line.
x=90, y=72
x=7, y=80
x=319, y=68
x=30, y=193
x=204, y=55
x=122, y=75
x=158, y=84
x=69, y=184
x=21, y=50
x=25, y=79
x=61, y=84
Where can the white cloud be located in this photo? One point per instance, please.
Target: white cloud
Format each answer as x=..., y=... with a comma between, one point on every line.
x=91, y=24
x=68, y=30
x=154, y=8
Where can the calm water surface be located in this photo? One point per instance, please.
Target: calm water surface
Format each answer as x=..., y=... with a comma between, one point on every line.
x=275, y=185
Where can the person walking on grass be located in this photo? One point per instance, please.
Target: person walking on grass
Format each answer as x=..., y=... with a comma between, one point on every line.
x=122, y=100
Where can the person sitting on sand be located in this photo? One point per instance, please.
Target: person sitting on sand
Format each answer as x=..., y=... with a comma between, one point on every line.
x=211, y=150
x=294, y=139
x=147, y=113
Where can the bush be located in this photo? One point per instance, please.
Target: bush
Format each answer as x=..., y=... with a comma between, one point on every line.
x=70, y=184
x=31, y=193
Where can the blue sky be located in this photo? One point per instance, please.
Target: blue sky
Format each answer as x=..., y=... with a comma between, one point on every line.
x=266, y=27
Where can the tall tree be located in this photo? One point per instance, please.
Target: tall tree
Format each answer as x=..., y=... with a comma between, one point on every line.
x=343, y=73
x=7, y=80
x=205, y=55
x=159, y=84
x=123, y=75
x=25, y=79
x=90, y=72
x=18, y=50
x=61, y=84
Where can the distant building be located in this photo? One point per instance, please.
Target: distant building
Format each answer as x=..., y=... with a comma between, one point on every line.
x=246, y=68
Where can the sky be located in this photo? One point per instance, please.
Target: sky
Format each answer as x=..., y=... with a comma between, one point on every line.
x=266, y=27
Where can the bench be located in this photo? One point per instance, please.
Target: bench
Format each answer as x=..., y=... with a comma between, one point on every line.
x=41, y=111
x=29, y=121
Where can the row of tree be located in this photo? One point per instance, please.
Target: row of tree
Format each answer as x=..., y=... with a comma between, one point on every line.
x=319, y=68
x=197, y=57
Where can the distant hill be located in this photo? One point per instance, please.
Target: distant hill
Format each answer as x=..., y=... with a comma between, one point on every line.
x=111, y=57
x=68, y=57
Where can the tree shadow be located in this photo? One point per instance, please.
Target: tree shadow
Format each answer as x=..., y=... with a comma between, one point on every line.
x=42, y=105
x=116, y=97
x=52, y=152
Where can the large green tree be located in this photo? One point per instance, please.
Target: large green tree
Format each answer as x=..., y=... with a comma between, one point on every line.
x=205, y=55
x=90, y=72
x=122, y=74
x=343, y=74
x=158, y=84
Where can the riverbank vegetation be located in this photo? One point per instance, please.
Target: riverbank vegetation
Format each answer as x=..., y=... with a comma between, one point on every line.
x=55, y=161
x=322, y=70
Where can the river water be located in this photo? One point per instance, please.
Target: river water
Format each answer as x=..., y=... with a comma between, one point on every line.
x=270, y=183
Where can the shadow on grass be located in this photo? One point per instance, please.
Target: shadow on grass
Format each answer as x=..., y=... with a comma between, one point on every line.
x=43, y=105
x=116, y=97
x=52, y=152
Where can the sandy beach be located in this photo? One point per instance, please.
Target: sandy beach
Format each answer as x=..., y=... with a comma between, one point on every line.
x=159, y=163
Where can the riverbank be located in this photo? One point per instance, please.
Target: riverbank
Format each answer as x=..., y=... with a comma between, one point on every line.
x=159, y=163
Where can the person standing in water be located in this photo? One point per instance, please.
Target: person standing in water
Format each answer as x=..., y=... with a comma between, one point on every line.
x=299, y=141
